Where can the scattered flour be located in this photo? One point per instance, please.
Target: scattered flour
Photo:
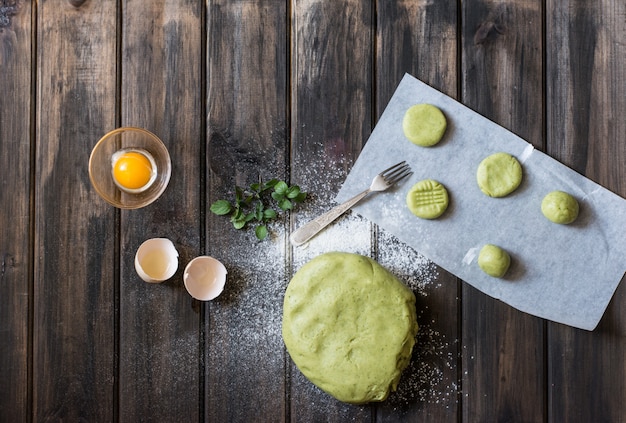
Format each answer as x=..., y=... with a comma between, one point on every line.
x=248, y=315
x=418, y=272
x=430, y=377
x=350, y=233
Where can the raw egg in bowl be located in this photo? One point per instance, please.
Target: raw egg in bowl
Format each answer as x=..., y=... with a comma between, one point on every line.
x=129, y=167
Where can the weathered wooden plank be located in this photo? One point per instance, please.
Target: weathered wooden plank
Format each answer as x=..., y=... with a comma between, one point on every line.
x=586, y=103
x=331, y=119
x=15, y=228
x=161, y=90
x=74, y=262
x=234, y=343
x=503, y=349
x=420, y=38
x=247, y=139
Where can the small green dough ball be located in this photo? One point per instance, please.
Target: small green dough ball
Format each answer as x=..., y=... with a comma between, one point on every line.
x=427, y=199
x=424, y=124
x=493, y=260
x=560, y=207
x=499, y=175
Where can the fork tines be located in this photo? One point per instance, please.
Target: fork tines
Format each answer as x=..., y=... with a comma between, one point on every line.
x=396, y=172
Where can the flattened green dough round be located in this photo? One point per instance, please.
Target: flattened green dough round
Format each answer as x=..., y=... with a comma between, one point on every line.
x=424, y=124
x=349, y=325
x=560, y=207
x=427, y=199
x=493, y=260
x=499, y=175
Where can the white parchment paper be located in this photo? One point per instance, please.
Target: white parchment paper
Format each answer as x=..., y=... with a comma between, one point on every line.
x=564, y=273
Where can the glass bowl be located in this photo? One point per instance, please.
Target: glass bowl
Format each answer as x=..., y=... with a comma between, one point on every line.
x=101, y=167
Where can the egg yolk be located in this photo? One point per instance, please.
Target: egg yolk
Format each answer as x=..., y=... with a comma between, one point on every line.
x=132, y=170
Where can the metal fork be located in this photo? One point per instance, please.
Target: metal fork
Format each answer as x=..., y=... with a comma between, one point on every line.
x=381, y=182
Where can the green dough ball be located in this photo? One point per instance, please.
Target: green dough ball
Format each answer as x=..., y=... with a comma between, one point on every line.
x=499, y=175
x=427, y=199
x=349, y=325
x=493, y=260
x=560, y=207
x=424, y=124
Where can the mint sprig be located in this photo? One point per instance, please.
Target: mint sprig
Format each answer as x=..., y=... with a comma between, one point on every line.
x=259, y=204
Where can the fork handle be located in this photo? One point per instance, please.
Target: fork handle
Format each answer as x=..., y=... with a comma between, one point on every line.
x=308, y=231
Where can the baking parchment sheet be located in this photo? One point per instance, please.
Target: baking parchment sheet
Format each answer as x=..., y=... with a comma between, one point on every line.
x=564, y=273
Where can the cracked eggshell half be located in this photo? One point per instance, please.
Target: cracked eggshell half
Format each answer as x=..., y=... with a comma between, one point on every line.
x=204, y=278
x=156, y=260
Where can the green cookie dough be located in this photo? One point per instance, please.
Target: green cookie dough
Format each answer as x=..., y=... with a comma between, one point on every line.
x=427, y=199
x=424, y=124
x=493, y=260
x=560, y=207
x=499, y=175
x=349, y=325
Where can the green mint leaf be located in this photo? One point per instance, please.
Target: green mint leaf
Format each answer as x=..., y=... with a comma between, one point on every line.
x=239, y=224
x=253, y=204
x=281, y=187
x=293, y=191
x=285, y=204
x=258, y=211
x=261, y=232
x=300, y=197
x=269, y=214
x=239, y=195
x=270, y=184
x=278, y=196
x=237, y=215
x=221, y=207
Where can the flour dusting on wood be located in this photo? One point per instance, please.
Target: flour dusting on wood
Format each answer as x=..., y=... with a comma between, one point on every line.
x=430, y=376
x=256, y=284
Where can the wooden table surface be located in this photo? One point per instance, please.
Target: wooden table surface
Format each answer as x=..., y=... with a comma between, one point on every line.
x=239, y=90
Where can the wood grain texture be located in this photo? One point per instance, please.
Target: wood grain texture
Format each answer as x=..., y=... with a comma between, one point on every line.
x=159, y=323
x=242, y=89
x=74, y=281
x=502, y=69
x=247, y=139
x=332, y=78
x=503, y=349
x=15, y=225
x=586, y=94
x=420, y=38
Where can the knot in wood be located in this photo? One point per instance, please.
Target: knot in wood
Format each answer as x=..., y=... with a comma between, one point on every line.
x=487, y=31
x=77, y=3
x=7, y=11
